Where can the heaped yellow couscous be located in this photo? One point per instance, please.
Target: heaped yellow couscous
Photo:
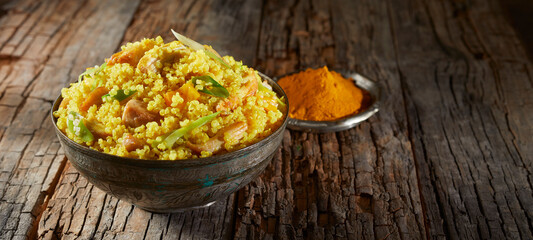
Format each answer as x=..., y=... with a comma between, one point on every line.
x=169, y=101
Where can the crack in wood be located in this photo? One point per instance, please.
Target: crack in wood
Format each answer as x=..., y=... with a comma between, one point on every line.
x=43, y=204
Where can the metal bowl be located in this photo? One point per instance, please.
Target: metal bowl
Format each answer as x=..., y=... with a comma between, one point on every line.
x=348, y=122
x=170, y=186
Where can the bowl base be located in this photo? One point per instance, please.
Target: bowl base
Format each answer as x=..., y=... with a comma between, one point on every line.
x=175, y=210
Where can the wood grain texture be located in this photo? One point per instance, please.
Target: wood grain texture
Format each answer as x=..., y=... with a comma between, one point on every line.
x=467, y=105
x=448, y=156
x=40, y=52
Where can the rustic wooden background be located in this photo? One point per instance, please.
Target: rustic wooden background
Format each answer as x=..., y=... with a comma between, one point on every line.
x=448, y=156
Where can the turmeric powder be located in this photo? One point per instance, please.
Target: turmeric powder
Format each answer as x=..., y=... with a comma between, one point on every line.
x=321, y=95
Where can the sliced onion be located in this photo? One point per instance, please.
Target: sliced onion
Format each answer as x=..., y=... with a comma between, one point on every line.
x=174, y=136
x=209, y=51
x=75, y=125
x=187, y=41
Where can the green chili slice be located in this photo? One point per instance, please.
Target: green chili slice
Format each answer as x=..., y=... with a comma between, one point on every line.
x=92, y=72
x=262, y=87
x=281, y=101
x=187, y=41
x=159, y=140
x=174, y=136
x=121, y=94
x=216, y=89
x=76, y=126
x=209, y=51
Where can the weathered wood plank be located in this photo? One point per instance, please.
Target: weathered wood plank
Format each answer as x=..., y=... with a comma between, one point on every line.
x=447, y=156
x=32, y=43
x=79, y=210
x=467, y=99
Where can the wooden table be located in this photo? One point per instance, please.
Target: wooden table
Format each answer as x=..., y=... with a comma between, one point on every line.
x=449, y=155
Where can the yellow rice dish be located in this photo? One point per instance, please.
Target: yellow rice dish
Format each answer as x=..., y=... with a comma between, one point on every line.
x=169, y=101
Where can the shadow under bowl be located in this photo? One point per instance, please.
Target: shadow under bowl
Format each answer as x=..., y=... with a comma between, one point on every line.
x=172, y=186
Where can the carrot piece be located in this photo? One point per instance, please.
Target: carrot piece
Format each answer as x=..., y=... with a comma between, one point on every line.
x=95, y=97
x=187, y=92
x=64, y=103
x=168, y=97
